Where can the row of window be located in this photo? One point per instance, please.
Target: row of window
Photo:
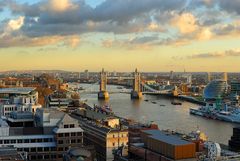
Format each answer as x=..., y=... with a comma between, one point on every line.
x=63, y=149
x=72, y=141
x=39, y=149
x=120, y=135
x=70, y=134
x=45, y=157
x=10, y=109
x=19, y=141
x=69, y=126
x=122, y=144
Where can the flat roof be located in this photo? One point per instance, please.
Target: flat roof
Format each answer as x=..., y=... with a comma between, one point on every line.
x=168, y=138
x=20, y=90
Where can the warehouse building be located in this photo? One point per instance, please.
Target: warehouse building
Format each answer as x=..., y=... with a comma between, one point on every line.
x=168, y=145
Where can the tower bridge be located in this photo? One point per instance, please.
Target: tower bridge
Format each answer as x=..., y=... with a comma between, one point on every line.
x=138, y=87
x=136, y=92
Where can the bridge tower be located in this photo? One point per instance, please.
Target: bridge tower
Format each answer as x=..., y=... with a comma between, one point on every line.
x=136, y=92
x=103, y=94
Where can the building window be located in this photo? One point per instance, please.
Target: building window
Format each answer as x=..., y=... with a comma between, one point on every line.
x=6, y=141
x=60, y=135
x=39, y=140
x=66, y=126
x=79, y=134
x=60, y=149
x=39, y=149
x=33, y=140
x=79, y=140
x=45, y=140
x=53, y=148
x=33, y=157
x=71, y=125
x=1, y=141
x=73, y=141
x=19, y=141
x=13, y=141
x=66, y=134
x=40, y=157
x=113, y=136
x=46, y=149
x=73, y=134
x=60, y=141
x=59, y=155
x=26, y=141
x=53, y=156
x=26, y=149
x=46, y=157
x=33, y=150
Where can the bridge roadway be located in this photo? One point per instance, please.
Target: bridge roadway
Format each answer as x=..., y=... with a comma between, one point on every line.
x=148, y=90
x=96, y=92
x=128, y=92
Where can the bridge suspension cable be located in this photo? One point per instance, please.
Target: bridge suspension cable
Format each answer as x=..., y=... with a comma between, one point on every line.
x=152, y=90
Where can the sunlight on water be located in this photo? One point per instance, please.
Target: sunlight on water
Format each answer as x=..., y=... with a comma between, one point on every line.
x=160, y=110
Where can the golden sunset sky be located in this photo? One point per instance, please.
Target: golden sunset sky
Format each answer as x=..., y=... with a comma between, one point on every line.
x=120, y=35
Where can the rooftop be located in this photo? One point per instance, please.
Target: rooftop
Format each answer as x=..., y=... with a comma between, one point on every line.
x=170, y=139
x=20, y=90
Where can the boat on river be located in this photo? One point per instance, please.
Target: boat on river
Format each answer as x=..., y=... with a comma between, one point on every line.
x=213, y=111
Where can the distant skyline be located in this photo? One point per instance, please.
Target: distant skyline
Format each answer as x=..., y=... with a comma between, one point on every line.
x=120, y=35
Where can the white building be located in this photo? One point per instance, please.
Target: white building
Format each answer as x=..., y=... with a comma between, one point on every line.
x=18, y=99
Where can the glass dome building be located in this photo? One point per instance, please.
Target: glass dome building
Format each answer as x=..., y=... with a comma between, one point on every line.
x=215, y=89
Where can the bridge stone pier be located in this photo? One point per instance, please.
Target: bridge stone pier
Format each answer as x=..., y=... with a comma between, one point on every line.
x=136, y=92
x=103, y=94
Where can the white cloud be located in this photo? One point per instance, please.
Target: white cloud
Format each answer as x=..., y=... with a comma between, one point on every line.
x=186, y=23
x=16, y=23
x=61, y=5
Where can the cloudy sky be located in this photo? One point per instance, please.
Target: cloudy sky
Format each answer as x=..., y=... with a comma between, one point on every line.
x=120, y=35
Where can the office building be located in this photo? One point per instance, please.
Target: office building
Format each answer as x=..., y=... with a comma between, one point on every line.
x=58, y=99
x=105, y=135
x=47, y=136
x=18, y=99
x=235, y=87
x=215, y=89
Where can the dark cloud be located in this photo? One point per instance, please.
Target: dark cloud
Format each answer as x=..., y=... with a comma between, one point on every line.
x=119, y=17
x=119, y=10
x=230, y=5
x=115, y=16
x=225, y=29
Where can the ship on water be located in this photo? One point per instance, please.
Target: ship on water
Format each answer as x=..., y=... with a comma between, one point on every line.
x=218, y=111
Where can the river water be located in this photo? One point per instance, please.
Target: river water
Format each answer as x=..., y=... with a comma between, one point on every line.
x=173, y=117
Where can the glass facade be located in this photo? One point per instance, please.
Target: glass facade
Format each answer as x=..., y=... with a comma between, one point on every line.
x=215, y=89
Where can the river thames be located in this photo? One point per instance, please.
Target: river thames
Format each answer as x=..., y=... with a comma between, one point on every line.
x=160, y=110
